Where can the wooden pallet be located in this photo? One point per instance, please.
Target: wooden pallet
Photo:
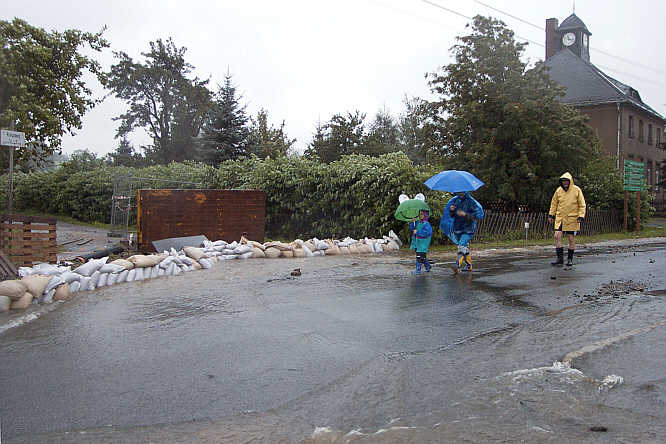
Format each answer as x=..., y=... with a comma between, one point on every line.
x=28, y=239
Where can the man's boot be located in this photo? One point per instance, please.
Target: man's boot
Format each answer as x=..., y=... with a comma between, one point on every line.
x=560, y=256
x=427, y=265
x=418, y=267
x=570, y=254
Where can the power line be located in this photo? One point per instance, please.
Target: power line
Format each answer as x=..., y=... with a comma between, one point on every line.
x=593, y=49
x=542, y=45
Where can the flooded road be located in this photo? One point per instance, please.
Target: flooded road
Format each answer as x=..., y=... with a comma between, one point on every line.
x=354, y=348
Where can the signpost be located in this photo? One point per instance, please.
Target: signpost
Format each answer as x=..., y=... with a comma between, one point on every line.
x=12, y=139
x=634, y=180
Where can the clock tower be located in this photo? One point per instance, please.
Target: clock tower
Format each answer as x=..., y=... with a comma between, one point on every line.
x=573, y=35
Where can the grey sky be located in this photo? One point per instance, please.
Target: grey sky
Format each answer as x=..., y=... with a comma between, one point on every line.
x=303, y=60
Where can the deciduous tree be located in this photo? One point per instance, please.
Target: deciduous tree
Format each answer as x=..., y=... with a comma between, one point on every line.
x=42, y=87
x=502, y=120
x=162, y=99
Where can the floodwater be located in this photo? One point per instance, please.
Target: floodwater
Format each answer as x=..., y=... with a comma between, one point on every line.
x=354, y=349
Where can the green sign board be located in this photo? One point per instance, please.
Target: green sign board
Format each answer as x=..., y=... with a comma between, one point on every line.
x=634, y=175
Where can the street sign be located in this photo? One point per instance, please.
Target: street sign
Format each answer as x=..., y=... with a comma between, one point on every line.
x=12, y=138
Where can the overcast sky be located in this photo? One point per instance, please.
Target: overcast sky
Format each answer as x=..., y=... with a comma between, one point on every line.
x=305, y=60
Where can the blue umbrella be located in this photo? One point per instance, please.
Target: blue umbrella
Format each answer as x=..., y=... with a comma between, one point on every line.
x=453, y=181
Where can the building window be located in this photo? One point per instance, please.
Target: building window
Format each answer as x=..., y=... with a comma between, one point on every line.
x=656, y=177
x=640, y=131
x=659, y=130
x=649, y=172
x=650, y=134
x=631, y=126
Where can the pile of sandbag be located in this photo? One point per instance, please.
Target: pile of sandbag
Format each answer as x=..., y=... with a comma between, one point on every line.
x=327, y=247
x=46, y=283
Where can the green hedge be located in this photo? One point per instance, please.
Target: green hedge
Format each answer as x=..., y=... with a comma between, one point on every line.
x=355, y=196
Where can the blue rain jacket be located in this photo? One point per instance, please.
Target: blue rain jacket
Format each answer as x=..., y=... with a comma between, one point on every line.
x=420, y=240
x=456, y=224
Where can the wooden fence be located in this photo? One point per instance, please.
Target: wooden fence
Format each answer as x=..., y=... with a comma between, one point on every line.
x=28, y=239
x=512, y=225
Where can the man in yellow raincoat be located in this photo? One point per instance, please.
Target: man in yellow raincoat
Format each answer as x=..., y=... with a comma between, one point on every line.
x=567, y=210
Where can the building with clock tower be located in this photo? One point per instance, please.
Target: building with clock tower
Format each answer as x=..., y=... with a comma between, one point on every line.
x=629, y=129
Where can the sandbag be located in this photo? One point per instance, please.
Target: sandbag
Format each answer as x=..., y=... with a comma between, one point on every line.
x=6, y=303
x=101, y=282
x=49, y=269
x=247, y=255
x=112, y=278
x=308, y=252
x=74, y=287
x=166, y=262
x=47, y=297
x=23, y=302
x=205, y=263
x=131, y=275
x=318, y=253
x=94, y=279
x=112, y=268
x=344, y=250
x=127, y=265
x=85, y=283
x=218, y=243
x=26, y=271
x=139, y=275
x=242, y=249
x=62, y=293
x=272, y=253
x=299, y=252
x=395, y=237
x=54, y=282
x=230, y=256
x=255, y=244
x=310, y=245
x=13, y=289
x=258, y=252
x=196, y=265
x=122, y=276
x=155, y=272
x=278, y=245
x=213, y=259
x=91, y=266
x=287, y=253
x=143, y=261
x=194, y=253
x=36, y=284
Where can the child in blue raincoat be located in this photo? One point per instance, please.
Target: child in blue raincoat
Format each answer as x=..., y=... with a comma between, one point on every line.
x=421, y=236
x=459, y=224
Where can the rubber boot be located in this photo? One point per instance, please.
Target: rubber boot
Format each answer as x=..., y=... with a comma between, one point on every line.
x=468, y=262
x=427, y=265
x=460, y=261
x=418, y=267
x=570, y=254
x=560, y=256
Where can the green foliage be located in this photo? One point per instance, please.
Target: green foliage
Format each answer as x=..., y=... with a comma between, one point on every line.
x=264, y=140
x=354, y=196
x=41, y=85
x=162, y=100
x=342, y=135
x=503, y=121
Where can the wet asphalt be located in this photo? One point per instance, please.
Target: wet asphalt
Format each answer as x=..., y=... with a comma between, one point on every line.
x=246, y=337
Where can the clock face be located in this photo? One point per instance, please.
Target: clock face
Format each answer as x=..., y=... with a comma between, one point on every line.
x=568, y=39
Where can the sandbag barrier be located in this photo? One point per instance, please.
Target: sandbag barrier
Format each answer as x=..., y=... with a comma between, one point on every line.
x=45, y=283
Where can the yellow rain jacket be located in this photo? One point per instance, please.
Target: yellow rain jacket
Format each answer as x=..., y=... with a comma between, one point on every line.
x=567, y=206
